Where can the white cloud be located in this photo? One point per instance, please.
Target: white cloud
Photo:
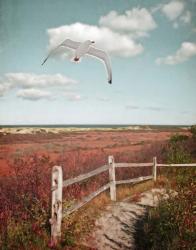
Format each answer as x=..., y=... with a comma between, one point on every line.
x=173, y=9
x=29, y=80
x=29, y=84
x=113, y=42
x=33, y=94
x=186, y=51
x=138, y=21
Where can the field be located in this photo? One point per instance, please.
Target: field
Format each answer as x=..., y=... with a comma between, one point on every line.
x=78, y=144
x=28, y=154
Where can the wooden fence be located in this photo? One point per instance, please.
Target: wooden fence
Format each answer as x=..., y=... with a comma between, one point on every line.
x=57, y=185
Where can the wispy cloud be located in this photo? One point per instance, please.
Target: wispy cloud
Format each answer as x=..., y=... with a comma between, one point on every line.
x=186, y=17
x=72, y=96
x=152, y=108
x=186, y=51
x=34, y=94
x=183, y=19
x=29, y=80
x=103, y=99
x=132, y=107
x=3, y=89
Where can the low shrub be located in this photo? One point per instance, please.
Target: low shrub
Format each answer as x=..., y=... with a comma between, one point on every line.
x=177, y=150
x=171, y=225
x=25, y=194
x=193, y=131
x=24, y=204
x=178, y=138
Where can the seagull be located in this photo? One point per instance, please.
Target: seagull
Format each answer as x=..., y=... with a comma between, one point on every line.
x=85, y=48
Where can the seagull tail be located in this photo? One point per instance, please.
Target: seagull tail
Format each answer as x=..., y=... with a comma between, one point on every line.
x=76, y=59
x=45, y=60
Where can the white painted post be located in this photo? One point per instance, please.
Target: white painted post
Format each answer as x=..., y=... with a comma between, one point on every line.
x=112, y=178
x=154, y=170
x=56, y=213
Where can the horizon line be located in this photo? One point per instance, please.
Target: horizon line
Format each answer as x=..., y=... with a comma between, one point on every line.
x=94, y=124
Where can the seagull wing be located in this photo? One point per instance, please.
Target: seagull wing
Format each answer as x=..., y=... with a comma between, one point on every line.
x=100, y=54
x=67, y=43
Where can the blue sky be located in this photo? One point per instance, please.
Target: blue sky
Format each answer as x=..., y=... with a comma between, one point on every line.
x=152, y=45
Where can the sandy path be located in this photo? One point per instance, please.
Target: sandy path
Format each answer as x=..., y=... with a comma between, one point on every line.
x=115, y=228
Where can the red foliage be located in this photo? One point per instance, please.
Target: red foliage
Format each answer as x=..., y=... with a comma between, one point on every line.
x=25, y=193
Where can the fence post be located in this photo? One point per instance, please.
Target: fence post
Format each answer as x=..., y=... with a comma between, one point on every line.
x=56, y=210
x=154, y=170
x=112, y=178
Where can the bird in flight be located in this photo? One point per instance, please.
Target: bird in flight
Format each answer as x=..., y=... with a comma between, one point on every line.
x=85, y=48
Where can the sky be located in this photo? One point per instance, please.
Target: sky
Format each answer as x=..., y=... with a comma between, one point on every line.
x=152, y=48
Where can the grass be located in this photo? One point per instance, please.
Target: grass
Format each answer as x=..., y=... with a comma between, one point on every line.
x=79, y=224
x=124, y=191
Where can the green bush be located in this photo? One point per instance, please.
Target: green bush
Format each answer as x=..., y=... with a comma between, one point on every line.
x=178, y=138
x=176, y=151
x=171, y=224
x=193, y=131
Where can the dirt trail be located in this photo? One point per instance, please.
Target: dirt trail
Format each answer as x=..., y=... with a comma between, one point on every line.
x=115, y=229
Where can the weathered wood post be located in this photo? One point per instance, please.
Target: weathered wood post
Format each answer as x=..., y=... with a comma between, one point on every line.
x=56, y=211
x=112, y=178
x=154, y=170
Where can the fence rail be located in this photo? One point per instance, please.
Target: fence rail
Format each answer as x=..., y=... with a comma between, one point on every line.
x=135, y=180
x=57, y=185
x=177, y=165
x=133, y=165
x=83, y=177
x=86, y=200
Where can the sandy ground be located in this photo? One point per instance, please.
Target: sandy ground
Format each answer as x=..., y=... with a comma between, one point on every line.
x=34, y=130
x=116, y=227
